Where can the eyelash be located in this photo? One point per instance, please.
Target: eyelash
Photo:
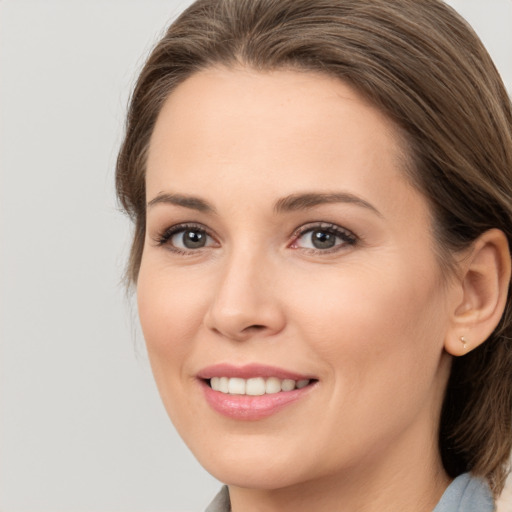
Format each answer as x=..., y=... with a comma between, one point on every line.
x=348, y=238
x=165, y=236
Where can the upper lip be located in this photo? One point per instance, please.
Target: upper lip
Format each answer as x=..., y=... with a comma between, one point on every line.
x=248, y=371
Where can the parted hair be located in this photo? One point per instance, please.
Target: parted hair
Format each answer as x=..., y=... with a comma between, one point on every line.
x=423, y=66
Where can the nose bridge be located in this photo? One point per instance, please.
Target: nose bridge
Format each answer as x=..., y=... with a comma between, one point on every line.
x=244, y=302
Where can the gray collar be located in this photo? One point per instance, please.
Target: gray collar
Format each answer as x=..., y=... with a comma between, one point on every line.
x=221, y=502
x=465, y=494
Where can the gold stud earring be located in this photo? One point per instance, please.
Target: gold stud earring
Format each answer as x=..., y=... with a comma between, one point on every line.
x=464, y=342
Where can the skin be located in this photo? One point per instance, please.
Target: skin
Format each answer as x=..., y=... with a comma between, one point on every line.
x=368, y=319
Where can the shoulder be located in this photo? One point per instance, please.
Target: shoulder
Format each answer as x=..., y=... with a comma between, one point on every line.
x=221, y=502
x=466, y=494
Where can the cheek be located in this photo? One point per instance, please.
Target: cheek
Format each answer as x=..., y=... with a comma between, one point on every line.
x=171, y=312
x=381, y=339
x=382, y=323
x=170, y=309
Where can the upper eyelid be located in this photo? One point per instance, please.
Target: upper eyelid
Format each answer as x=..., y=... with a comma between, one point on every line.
x=310, y=226
x=169, y=231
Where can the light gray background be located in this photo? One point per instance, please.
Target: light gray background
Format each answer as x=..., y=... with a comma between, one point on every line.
x=81, y=424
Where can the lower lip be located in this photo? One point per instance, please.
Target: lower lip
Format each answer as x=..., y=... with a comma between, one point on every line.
x=251, y=408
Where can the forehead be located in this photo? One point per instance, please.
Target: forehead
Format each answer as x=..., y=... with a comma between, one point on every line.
x=288, y=103
x=287, y=129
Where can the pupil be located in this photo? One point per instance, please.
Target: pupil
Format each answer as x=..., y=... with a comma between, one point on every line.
x=193, y=239
x=323, y=240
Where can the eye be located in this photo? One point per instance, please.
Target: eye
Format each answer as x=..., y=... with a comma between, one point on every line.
x=189, y=239
x=323, y=238
x=185, y=238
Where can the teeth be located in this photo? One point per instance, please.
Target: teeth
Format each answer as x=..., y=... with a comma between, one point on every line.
x=302, y=383
x=236, y=386
x=272, y=385
x=256, y=386
x=224, y=384
x=287, y=385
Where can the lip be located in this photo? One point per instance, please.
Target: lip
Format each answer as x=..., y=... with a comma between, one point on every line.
x=251, y=408
x=249, y=370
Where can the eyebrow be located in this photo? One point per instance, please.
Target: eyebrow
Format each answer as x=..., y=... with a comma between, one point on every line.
x=308, y=200
x=191, y=202
x=293, y=202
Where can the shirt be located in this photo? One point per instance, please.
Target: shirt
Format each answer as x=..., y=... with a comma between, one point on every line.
x=465, y=494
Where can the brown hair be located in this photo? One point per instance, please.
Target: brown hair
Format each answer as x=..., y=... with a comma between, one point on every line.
x=423, y=66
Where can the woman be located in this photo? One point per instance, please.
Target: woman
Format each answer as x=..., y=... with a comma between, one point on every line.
x=322, y=199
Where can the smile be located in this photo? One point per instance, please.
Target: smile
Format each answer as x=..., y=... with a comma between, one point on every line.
x=255, y=386
x=253, y=392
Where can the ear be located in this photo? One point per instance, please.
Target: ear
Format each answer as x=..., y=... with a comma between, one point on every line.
x=484, y=284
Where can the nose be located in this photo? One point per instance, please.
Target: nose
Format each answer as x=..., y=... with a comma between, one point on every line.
x=245, y=302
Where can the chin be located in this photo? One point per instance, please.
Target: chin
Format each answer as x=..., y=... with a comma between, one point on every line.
x=255, y=467
x=250, y=476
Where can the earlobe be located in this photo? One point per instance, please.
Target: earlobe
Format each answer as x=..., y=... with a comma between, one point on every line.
x=458, y=346
x=485, y=280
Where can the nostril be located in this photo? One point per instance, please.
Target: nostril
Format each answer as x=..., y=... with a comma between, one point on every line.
x=254, y=328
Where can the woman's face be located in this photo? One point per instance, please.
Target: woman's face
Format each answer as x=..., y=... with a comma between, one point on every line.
x=289, y=264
